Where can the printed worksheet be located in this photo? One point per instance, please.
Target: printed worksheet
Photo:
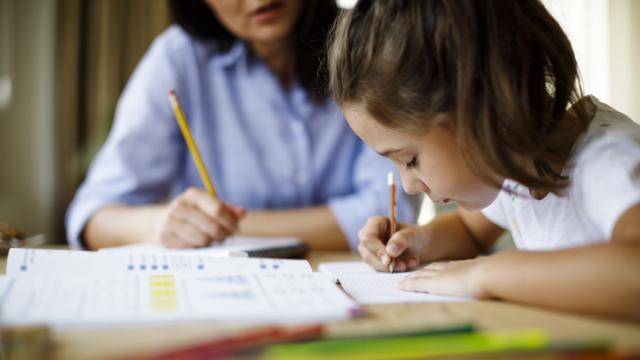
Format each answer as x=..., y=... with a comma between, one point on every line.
x=41, y=261
x=134, y=298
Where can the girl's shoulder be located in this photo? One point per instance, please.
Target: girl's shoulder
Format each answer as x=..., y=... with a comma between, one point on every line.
x=610, y=135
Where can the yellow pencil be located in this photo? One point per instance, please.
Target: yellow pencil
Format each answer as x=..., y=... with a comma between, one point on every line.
x=186, y=133
x=391, y=181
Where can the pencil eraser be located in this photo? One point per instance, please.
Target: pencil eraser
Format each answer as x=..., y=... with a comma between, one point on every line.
x=172, y=92
x=391, y=179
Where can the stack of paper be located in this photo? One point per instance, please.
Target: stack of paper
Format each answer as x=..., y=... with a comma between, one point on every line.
x=61, y=288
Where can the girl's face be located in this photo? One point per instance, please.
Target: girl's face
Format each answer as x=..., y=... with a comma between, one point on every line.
x=259, y=21
x=429, y=162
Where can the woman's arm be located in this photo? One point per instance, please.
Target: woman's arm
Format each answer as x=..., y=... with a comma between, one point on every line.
x=316, y=226
x=195, y=219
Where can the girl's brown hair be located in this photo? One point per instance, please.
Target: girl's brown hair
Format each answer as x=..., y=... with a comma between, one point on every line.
x=503, y=69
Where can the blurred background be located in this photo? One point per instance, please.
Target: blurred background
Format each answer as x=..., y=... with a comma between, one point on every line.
x=63, y=64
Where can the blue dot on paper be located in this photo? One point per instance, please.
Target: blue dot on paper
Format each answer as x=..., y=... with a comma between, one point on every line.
x=23, y=268
x=200, y=267
x=154, y=266
x=130, y=267
x=143, y=267
x=166, y=267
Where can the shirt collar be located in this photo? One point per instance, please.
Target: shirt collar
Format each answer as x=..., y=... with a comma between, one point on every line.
x=236, y=53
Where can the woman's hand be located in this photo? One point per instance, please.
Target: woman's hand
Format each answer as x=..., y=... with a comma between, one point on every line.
x=461, y=278
x=195, y=219
x=405, y=246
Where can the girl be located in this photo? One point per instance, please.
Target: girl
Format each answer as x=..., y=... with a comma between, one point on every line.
x=274, y=142
x=478, y=102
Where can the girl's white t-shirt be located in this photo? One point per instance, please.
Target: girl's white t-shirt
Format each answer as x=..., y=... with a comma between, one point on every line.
x=604, y=173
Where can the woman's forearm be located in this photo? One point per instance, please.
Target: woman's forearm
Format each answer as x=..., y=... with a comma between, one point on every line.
x=316, y=226
x=122, y=225
x=119, y=225
x=601, y=279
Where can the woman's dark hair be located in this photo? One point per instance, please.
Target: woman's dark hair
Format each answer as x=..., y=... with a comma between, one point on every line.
x=504, y=70
x=310, y=33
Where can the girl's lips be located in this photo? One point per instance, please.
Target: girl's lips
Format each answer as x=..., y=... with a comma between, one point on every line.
x=267, y=12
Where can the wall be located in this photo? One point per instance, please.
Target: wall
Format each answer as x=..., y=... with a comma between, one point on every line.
x=28, y=153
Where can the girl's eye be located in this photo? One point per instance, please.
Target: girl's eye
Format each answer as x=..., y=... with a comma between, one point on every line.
x=413, y=163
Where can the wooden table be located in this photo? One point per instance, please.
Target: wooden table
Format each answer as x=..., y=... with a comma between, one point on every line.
x=486, y=315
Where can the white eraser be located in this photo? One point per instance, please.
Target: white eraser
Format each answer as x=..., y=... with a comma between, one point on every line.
x=391, y=179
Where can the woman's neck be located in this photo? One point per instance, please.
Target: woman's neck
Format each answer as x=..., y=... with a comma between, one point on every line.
x=278, y=57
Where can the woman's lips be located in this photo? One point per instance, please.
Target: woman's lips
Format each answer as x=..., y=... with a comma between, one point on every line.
x=267, y=12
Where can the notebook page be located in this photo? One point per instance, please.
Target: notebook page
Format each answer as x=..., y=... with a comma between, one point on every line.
x=335, y=269
x=41, y=261
x=123, y=298
x=381, y=288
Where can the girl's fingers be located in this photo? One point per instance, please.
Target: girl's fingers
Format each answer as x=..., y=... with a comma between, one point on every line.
x=416, y=283
x=371, y=259
x=437, y=265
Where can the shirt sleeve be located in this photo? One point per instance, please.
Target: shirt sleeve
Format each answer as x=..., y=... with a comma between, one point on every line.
x=371, y=196
x=608, y=182
x=136, y=163
x=496, y=212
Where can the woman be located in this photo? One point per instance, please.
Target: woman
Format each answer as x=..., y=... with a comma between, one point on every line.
x=283, y=160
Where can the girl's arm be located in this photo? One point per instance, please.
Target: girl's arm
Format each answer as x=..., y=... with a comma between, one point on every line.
x=599, y=279
x=458, y=234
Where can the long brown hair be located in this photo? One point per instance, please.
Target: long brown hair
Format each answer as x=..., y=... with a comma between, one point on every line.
x=310, y=33
x=503, y=69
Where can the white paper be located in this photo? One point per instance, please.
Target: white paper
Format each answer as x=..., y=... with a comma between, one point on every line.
x=232, y=246
x=334, y=269
x=41, y=261
x=125, y=298
x=382, y=288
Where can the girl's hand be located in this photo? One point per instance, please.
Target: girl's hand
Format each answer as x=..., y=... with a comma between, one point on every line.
x=461, y=278
x=195, y=219
x=405, y=246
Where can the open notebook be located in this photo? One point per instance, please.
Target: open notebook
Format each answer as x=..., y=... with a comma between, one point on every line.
x=78, y=288
x=236, y=246
x=368, y=286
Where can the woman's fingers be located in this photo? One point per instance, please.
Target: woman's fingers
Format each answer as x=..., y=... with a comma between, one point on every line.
x=195, y=219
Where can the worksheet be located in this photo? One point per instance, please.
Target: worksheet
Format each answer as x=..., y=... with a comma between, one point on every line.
x=41, y=261
x=133, y=298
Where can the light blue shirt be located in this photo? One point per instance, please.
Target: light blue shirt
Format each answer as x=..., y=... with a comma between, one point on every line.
x=265, y=147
